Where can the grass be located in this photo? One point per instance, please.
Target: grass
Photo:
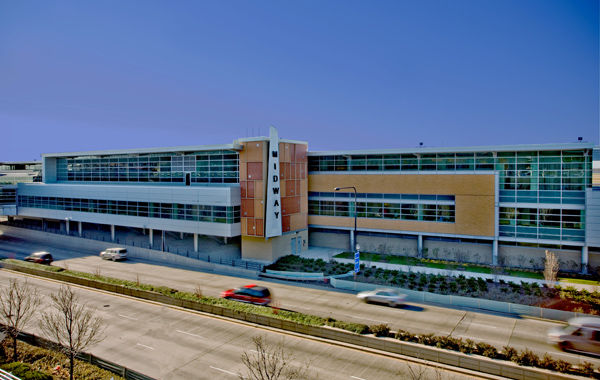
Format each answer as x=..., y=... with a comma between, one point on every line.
x=579, y=281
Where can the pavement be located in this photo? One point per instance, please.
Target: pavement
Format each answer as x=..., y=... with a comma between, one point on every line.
x=172, y=343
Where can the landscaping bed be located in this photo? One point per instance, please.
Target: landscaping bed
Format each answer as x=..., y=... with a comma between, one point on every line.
x=36, y=359
x=532, y=294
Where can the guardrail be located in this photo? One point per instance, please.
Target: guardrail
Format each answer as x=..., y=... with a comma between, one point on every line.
x=7, y=376
x=115, y=368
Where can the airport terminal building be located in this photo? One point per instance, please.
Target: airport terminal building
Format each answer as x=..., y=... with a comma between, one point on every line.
x=498, y=205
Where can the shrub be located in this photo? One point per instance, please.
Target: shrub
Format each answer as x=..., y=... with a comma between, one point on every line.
x=25, y=372
x=405, y=336
x=449, y=343
x=586, y=369
x=527, y=357
x=358, y=328
x=510, y=353
x=547, y=362
x=562, y=366
x=467, y=346
x=427, y=339
x=380, y=330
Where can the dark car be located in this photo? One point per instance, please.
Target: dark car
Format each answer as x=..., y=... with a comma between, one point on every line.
x=255, y=294
x=40, y=258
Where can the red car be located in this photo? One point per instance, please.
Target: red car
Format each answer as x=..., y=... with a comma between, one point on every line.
x=40, y=258
x=258, y=295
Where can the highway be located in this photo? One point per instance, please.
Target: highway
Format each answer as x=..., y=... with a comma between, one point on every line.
x=173, y=343
x=492, y=328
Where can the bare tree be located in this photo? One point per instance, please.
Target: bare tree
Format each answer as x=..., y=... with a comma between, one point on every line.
x=71, y=324
x=271, y=363
x=18, y=303
x=551, y=268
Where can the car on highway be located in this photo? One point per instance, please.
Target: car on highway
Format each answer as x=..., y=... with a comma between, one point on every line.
x=581, y=334
x=41, y=257
x=258, y=295
x=114, y=254
x=391, y=297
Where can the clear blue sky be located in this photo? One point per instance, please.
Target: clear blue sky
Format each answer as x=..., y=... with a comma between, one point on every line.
x=87, y=75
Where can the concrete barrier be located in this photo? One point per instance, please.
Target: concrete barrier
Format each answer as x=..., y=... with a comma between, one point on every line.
x=457, y=359
x=476, y=303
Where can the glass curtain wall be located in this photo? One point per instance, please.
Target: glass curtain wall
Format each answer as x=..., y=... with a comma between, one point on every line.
x=208, y=167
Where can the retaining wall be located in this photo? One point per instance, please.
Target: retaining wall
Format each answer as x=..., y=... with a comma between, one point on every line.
x=77, y=243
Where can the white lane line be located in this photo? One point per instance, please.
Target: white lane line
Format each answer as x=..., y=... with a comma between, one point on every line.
x=190, y=334
x=484, y=325
x=357, y=378
x=143, y=345
x=223, y=370
x=128, y=317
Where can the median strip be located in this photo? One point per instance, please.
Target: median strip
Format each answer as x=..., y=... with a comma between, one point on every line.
x=474, y=356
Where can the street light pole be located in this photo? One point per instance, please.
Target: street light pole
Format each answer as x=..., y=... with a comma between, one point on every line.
x=354, y=243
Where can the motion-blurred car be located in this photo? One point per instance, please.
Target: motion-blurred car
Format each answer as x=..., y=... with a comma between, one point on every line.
x=581, y=334
x=255, y=294
x=40, y=258
x=391, y=297
x=114, y=254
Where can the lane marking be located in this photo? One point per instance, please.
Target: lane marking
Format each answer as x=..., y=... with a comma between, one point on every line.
x=190, y=334
x=367, y=319
x=223, y=370
x=128, y=317
x=484, y=325
x=357, y=378
x=143, y=345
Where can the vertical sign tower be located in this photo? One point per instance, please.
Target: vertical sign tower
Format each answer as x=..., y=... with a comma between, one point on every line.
x=273, y=209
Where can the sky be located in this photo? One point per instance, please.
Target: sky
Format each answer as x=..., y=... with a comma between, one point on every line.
x=342, y=75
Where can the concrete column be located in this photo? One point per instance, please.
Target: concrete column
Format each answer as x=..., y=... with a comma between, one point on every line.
x=584, y=259
x=352, y=243
x=225, y=239
x=43, y=225
x=181, y=235
x=80, y=228
x=420, y=245
x=151, y=237
x=112, y=232
x=495, y=252
x=67, y=225
x=195, y=242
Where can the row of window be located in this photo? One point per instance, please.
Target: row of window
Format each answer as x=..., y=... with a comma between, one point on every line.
x=199, y=213
x=544, y=170
x=542, y=223
x=380, y=210
x=8, y=196
x=204, y=167
x=342, y=195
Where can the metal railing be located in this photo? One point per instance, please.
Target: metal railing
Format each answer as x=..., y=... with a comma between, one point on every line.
x=115, y=368
x=7, y=376
x=181, y=252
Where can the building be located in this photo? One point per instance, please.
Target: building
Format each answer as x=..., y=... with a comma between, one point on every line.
x=500, y=205
x=12, y=173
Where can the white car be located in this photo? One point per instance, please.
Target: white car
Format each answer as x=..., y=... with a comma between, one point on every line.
x=114, y=254
x=581, y=334
x=392, y=297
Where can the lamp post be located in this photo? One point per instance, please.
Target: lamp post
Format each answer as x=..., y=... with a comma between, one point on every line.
x=355, y=246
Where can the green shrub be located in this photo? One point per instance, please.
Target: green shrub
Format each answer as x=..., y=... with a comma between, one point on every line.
x=380, y=330
x=25, y=372
x=467, y=346
x=358, y=328
x=405, y=336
